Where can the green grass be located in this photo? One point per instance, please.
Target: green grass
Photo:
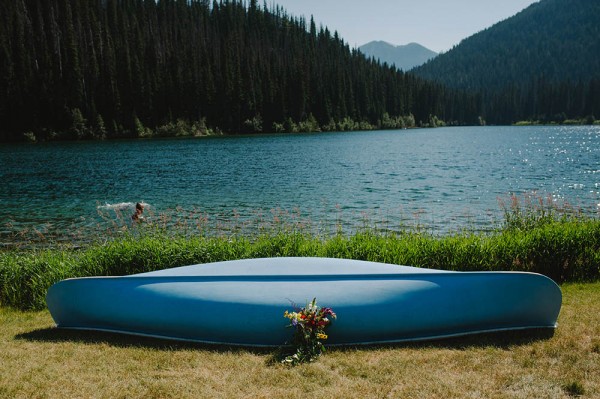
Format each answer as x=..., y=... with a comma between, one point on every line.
x=563, y=250
x=537, y=236
x=38, y=360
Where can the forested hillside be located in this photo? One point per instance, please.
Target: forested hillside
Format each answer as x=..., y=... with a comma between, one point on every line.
x=542, y=64
x=111, y=68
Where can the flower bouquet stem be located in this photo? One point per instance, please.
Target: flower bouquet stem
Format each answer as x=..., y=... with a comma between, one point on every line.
x=309, y=323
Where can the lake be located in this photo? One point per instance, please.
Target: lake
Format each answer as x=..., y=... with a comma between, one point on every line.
x=444, y=179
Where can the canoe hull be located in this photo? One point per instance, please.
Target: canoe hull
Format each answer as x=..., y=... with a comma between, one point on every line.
x=374, y=302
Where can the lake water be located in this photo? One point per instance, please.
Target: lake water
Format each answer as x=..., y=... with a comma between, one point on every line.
x=445, y=178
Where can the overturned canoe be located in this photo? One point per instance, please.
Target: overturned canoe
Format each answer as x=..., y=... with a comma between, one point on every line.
x=242, y=302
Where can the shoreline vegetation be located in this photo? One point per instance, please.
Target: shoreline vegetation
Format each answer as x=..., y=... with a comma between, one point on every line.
x=81, y=130
x=562, y=122
x=535, y=236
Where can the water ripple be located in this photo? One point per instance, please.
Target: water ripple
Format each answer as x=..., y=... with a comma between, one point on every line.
x=438, y=174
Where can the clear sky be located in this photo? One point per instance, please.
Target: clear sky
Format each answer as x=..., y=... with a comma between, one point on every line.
x=435, y=24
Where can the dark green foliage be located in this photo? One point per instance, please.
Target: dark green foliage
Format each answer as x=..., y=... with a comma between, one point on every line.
x=551, y=40
x=542, y=64
x=574, y=388
x=136, y=65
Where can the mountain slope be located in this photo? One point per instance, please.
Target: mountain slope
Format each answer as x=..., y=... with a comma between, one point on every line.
x=403, y=57
x=96, y=68
x=553, y=40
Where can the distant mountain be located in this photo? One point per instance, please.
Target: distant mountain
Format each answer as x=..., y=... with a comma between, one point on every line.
x=551, y=41
x=403, y=57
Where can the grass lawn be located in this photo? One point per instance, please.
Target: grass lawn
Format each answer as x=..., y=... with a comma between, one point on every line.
x=40, y=361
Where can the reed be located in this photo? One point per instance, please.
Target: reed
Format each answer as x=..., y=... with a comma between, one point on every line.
x=537, y=235
x=564, y=250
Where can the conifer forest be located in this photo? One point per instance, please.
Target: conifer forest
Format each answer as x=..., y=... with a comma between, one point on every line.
x=73, y=69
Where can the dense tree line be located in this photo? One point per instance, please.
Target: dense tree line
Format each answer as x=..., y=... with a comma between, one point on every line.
x=541, y=64
x=541, y=101
x=78, y=68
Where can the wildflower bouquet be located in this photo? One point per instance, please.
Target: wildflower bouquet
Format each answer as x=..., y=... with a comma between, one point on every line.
x=309, y=324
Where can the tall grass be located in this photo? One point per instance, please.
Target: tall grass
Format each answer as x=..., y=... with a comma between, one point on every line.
x=535, y=237
x=530, y=211
x=564, y=251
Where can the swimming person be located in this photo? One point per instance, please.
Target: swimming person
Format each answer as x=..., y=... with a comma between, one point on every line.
x=139, y=211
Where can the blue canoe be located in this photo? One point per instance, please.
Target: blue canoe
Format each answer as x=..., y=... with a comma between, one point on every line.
x=242, y=302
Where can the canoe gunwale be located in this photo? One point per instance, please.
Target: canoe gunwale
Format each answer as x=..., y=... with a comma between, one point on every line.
x=308, y=277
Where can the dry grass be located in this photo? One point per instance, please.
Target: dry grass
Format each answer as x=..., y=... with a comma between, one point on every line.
x=40, y=361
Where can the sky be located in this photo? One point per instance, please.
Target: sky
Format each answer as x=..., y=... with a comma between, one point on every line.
x=435, y=24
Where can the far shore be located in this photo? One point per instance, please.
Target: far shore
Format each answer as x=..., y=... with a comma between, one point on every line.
x=185, y=129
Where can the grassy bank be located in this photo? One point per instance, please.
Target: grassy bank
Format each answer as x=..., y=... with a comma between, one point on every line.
x=565, y=250
x=38, y=360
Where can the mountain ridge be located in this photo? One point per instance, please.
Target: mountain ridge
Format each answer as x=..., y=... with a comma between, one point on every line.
x=404, y=57
x=552, y=39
